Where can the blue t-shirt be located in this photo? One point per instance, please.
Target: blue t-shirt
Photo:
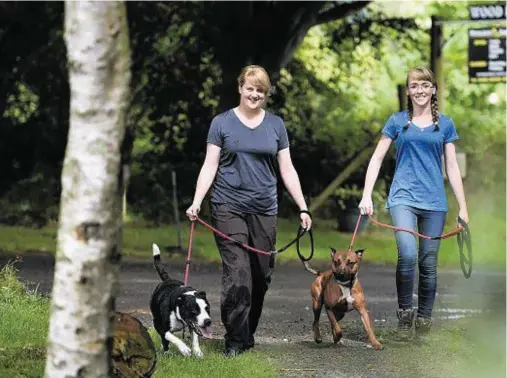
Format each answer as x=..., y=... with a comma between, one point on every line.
x=418, y=177
x=246, y=176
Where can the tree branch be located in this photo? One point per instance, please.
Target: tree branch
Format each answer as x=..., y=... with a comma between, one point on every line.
x=340, y=11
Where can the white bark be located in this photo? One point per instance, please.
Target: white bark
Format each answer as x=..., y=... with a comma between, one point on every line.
x=88, y=251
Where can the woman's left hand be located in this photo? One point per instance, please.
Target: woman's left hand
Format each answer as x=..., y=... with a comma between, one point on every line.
x=306, y=221
x=463, y=214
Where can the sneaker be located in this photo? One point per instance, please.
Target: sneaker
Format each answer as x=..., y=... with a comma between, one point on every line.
x=423, y=326
x=405, y=320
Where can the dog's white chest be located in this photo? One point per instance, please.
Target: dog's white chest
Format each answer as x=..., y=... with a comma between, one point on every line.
x=347, y=296
x=175, y=323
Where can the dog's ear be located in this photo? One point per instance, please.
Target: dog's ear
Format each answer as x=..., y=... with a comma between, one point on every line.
x=359, y=252
x=179, y=301
x=201, y=294
x=333, y=251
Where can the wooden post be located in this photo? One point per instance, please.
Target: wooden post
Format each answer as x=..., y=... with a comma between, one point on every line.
x=353, y=165
x=436, y=60
x=402, y=97
x=124, y=211
x=176, y=209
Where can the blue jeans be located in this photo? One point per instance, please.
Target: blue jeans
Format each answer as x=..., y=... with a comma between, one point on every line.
x=429, y=223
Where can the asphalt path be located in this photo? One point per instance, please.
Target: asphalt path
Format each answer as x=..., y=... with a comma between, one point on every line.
x=285, y=327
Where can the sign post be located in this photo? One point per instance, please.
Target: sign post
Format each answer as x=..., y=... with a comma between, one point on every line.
x=486, y=55
x=489, y=12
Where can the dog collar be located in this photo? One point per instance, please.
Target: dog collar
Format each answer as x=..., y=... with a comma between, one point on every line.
x=348, y=284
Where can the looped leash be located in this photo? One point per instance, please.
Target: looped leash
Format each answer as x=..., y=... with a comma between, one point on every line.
x=462, y=232
x=301, y=232
x=465, y=239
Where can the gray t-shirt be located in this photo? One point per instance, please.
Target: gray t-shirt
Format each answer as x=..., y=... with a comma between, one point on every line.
x=246, y=176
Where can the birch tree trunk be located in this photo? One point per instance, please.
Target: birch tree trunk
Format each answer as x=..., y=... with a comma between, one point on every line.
x=90, y=225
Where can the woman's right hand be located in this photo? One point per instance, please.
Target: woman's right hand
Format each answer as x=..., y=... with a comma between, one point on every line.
x=193, y=211
x=366, y=206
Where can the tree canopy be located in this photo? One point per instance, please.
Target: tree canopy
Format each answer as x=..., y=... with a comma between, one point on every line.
x=335, y=65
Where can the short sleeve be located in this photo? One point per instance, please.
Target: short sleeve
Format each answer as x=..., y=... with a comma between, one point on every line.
x=283, y=140
x=215, y=133
x=389, y=129
x=450, y=133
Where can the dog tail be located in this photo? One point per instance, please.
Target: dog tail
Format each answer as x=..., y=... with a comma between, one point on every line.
x=310, y=269
x=158, y=263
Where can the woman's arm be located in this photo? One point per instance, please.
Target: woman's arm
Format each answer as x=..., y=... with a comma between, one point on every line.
x=291, y=181
x=205, y=179
x=454, y=176
x=366, y=205
x=290, y=178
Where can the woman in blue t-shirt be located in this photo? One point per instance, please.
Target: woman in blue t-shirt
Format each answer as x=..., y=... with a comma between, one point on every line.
x=417, y=196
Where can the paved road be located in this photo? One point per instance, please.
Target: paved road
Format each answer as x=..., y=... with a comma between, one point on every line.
x=287, y=313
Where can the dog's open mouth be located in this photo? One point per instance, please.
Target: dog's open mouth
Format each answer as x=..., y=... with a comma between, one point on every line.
x=205, y=332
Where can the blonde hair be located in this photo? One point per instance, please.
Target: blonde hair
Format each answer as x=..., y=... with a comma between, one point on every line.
x=425, y=74
x=259, y=77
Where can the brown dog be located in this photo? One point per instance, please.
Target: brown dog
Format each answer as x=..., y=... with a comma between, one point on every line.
x=339, y=290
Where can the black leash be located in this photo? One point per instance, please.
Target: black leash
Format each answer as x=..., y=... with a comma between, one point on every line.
x=464, y=238
x=301, y=232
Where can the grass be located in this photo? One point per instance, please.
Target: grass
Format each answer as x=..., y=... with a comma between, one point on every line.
x=23, y=327
x=213, y=364
x=24, y=323
x=471, y=347
x=487, y=226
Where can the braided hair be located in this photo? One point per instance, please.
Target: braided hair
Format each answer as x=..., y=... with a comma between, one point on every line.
x=423, y=73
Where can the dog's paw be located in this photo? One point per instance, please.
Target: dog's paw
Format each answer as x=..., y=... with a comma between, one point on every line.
x=198, y=353
x=376, y=346
x=186, y=351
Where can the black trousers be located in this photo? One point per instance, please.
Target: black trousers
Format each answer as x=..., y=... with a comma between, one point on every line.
x=246, y=275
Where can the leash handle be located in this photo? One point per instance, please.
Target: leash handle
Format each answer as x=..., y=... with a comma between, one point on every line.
x=187, y=263
x=301, y=232
x=464, y=238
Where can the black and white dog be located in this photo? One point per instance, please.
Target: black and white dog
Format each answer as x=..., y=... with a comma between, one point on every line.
x=175, y=306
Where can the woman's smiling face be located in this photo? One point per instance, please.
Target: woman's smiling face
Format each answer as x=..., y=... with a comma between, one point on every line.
x=420, y=92
x=252, y=95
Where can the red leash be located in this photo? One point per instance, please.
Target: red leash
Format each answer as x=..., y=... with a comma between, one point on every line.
x=191, y=237
x=301, y=232
x=443, y=236
x=192, y=227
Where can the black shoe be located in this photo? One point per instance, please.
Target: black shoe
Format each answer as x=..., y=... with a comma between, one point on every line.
x=251, y=343
x=232, y=352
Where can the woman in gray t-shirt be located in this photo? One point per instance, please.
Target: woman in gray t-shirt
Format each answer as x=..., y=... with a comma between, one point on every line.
x=243, y=146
